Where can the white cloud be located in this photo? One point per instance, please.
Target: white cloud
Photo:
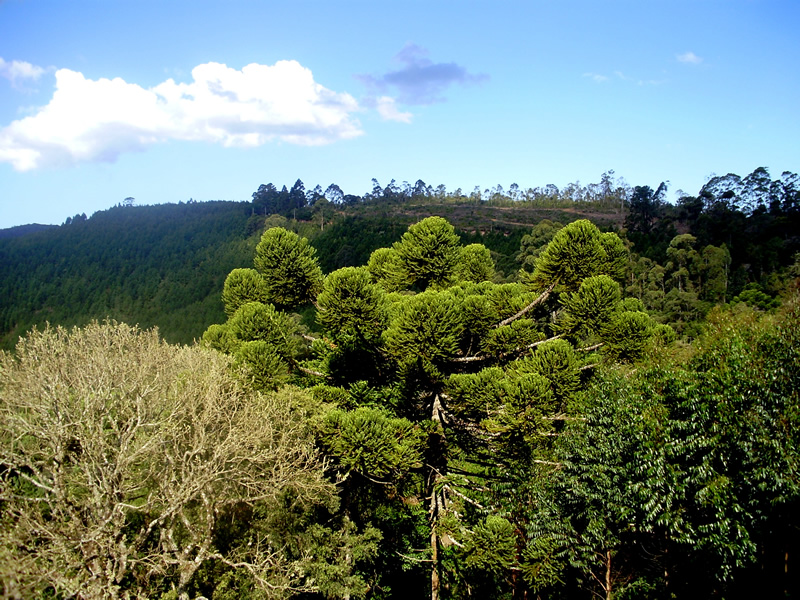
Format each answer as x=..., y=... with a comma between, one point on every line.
x=387, y=109
x=597, y=78
x=689, y=57
x=17, y=71
x=97, y=120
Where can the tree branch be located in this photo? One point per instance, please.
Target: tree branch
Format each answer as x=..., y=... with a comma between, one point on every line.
x=539, y=299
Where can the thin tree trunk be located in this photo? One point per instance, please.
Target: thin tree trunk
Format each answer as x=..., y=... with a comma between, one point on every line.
x=436, y=502
x=435, y=582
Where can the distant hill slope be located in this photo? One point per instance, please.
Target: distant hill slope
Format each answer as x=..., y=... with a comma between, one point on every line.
x=23, y=230
x=153, y=265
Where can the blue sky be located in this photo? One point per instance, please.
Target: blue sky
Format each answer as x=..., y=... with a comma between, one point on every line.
x=166, y=101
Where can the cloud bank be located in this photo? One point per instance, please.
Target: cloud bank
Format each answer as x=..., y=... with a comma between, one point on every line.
x=419, y=80
x=97, y=120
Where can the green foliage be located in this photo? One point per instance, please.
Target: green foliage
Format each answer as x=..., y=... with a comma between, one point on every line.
x=255, y=321
x=535, y=242
x=556, y=361
x=350, y=304
x=695, y=462
x=592, y=306
x=754, y=296
x=425, y=326
x=242, y=286
x=160, y=265
x=628, y=334
x=219, y=338
x=576, y=252
x=491, y=548
x=263, y=367
x=289, y=268
x=429, y=252
x=372, y=444
x=386, y=268
x=475, y=264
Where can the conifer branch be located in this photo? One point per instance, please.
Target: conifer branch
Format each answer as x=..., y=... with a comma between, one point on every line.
x=590, y=348
x=310, y=371
x=503, y=355
x=539, y=299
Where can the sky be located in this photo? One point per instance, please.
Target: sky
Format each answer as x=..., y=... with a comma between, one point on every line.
x=166, y=101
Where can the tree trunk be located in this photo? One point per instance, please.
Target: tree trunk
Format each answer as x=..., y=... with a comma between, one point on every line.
x=437, y=500
x=435, y=582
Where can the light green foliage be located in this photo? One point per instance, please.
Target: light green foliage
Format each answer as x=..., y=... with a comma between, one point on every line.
x=386, y=269
x=372, y=444
x=512, y=338
x=576, y=252
x=263, y=367
x=242, y=286
x=351, y=304
x=478, y=317
x=628, y=334
x=219, y=338
x=425, y=326
x=519, y=421
x=491, y=548
x=264, y=341
x=592, y=306
x=473, y=395
x=753, y=295
x=616, y=259
x=713, y=266
x=507, y=298
x=429, y=252
x=255, y=321
x=556, y=361
x=474, y=264
x=632, y=304
x=289, y=267
x=682, y=261
x=421, y=332
x=664, y=334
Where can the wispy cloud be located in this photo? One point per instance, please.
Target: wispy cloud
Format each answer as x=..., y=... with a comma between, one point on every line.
x=97, y=120
x=689, y=58
x=419, y=80
x=387, y=109
x=620, y=76
x=18, y=71
x=597, y=78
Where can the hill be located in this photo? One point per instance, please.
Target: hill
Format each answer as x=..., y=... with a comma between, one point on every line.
x=152, y=265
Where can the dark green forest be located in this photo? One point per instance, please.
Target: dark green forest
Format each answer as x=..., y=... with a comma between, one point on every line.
x=544, y=393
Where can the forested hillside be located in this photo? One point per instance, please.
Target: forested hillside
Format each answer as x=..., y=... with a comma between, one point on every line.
x=151, y=265
x=163, y=265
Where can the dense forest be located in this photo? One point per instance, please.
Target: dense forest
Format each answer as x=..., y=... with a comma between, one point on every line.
x=543, y=393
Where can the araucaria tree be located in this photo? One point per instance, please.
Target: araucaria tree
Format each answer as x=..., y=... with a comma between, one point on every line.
x=449, y=388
